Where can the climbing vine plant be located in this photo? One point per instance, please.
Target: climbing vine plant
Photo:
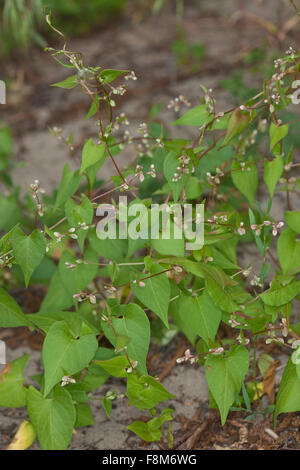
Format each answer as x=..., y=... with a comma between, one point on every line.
x=108, y=295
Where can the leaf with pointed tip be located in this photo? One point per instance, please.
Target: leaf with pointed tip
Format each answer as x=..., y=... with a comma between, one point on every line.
x=288, y=248
x=63, y=354
x=53, y=418
x=134, y=325
x=288, y=396
x=277, y=133
x=197, y=316
x=196, y=116
x=281, y=296
x=115, y=366
x=10, y=313
x=292, y=219
x=12, y=390
x=92, y=154
x=109, y=75
x=225, y=375
x=68, y=186
x=272, y=172
x=245, y=178
x=145, y=392
x=28, y=251
x=155, y=294
x=237, y=123
x=68, y=83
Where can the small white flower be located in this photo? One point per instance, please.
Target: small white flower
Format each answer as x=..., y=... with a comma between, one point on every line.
x=216, y=351
x=92, y=299
x=246, y=272
x=256, y=281
x=129, y=370
x=110, y=289
x=70, y=265
x=274, y=340
x=233, y=322
x=80, y=297
x=284, y=326
x=67, y=380
x=241, y=231
x=178, y=269
x=188, y=357
x=58, y=236
x=131, y=76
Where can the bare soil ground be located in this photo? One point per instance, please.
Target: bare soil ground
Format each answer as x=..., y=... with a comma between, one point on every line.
x=227, y=33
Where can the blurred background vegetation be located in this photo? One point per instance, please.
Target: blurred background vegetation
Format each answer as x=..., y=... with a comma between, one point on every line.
x=22, y=21
x=23, y=25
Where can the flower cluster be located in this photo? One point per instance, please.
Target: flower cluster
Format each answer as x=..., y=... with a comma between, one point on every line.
x=247, y=271
x=110, y=289
x=244, y=167
x=291, y=52
x=209, y=101
x=81, y=296
x=284, y=327
x=141, y=175
x=276, y=98
x=216, y=351
x=121, y=119
x=58, y=236
x=112, y=395
x=66, y=380
x=271, y=332
x=241, y=230
x=215, y=179
x=255, y=281
x=129, y=370
x=233, y=322
x=120, y=90
x=127, y=137
x=188, y=357
x=218, y=218
x=71, y=232
x=242, y=340
x=139, y=283
x=70, y=265
x=183, y=168
x=290, y=181
x=131, y=76
x=143, y=129
x=36, y=190
x=267, y=223
x=177, y=102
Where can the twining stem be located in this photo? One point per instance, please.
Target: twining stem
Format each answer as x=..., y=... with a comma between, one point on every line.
x=295, y=7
